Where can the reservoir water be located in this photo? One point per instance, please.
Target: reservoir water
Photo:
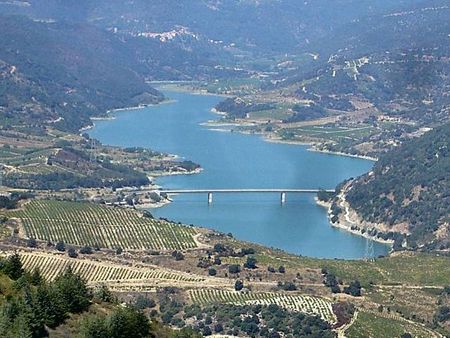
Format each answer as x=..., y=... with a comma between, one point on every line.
x=233, y=160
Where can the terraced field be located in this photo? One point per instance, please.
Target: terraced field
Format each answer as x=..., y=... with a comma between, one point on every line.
x=373, y=325
x=51, y=265
x=90, y=224
x=300, y=303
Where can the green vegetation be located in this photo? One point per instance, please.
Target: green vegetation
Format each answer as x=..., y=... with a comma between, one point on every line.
x=257, y=321
x=306, y=113
x=69, y=168
x=32, y=307
x=54, y=160
x=123, y=322
x=237, y=108
x=36, y=304
x=95, y=225
x=387, y=79
x=293, y=302
x=10, y=202
x=406, y=268
x=410, y=185
x=50, y=266
x=371, y=325
x=53, y=77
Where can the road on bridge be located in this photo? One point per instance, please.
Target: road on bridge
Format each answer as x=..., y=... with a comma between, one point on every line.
x=206, y=191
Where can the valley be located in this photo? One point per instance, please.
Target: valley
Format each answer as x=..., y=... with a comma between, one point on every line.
x=105, y=107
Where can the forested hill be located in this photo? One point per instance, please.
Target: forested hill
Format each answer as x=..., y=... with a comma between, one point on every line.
x=398, y=61
x=58, y=73
x=247, y=25
x=410, y=185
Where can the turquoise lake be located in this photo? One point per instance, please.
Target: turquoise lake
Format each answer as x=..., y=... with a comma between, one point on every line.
x=234, y=160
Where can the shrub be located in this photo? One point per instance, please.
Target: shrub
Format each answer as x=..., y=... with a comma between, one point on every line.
x=207, y=331
x=31, y=243
x=142, y=303
x=238, y=285
x=289, y=286
x=86, y=250
x=203, y=263
x=247, y=251
x=353, y=289
x=250, y=263
x=103, y=294
x=335, y=289
x=72, y=253
x=234, y=268
x=60, y=246
x=442, y=314
x=218, y=328
x=219, y=248
x=127, y=322
x=178, y=255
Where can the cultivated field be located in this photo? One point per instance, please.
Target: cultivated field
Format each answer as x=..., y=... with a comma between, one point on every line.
x=373, y=325
x=301, y=303
x=89, y=224
x=51, y=265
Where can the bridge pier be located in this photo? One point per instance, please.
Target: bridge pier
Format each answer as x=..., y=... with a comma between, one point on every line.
x=283, y=197
x=210, y=197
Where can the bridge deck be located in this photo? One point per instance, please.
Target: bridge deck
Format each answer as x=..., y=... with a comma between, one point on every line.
x=206, y=191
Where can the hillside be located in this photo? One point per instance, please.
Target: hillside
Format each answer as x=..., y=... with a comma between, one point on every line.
x=81, y=254
x=366, y=86
x=410, y=185
x=31, y=306
x=205, y=288
x=245, y=26
x=53, y=78
x=398, y=61
x=60, y=74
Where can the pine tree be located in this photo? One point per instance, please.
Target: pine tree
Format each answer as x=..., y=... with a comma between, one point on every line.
x=127, y=322
x=73, y=291
x=13, y=267
x=50, y=306
x=36, y=277
x=33, y=316
x=94, y=327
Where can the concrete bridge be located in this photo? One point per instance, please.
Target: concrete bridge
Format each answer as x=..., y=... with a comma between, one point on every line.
x=210, y=192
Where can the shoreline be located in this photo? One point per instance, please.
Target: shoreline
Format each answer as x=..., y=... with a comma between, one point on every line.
x=268, y=137
x=178, y=87
x=348, y=219
x=338, y=153
x=142, y=106
x=177, y=173
x=118, y=110
x=312, y=147
x=347, y=228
